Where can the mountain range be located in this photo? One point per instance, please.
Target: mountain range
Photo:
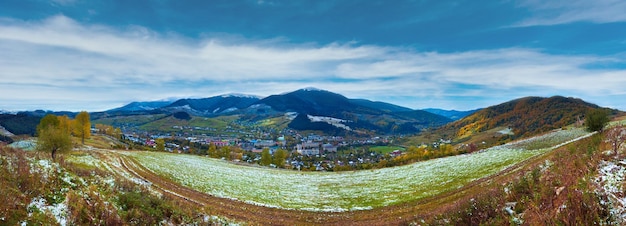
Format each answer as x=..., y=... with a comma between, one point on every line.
x=452, y=114
x=309, y=103
x=316, y=109
x=295, y=101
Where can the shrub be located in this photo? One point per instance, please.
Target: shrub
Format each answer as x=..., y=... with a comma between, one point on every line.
x=596, y=119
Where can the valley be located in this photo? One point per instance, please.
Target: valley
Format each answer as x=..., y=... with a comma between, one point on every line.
x=389, y=196
x=312, y=113
x=228, y=168
x=345, y=191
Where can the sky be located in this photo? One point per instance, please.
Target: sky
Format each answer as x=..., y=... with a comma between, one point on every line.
x=97, y=55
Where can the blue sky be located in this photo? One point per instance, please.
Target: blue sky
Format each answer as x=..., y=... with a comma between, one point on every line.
x=97, y=55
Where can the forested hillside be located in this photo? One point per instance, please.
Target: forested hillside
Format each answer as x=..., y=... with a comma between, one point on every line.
x=515, y=119
x=525, y=116
x=19, y=124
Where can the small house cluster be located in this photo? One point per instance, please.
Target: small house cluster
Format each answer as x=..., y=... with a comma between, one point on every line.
x=315, y=148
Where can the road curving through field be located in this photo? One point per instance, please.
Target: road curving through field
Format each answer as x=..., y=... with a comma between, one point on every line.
x=392, y=214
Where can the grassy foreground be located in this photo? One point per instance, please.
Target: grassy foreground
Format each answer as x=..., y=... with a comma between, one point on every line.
x=346, y=190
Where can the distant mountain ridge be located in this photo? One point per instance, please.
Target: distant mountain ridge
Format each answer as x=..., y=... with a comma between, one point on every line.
x=312, y=109
x=313, y=101
x=143, y=106
x=525, y=115
x=387, y=107
x=214, y=105
x=452, y=114
x=359, y=114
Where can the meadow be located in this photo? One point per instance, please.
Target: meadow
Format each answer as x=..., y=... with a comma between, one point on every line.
x=346, y=191
x=385, y=149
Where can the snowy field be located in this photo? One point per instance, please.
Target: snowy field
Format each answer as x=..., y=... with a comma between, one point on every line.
x=344, y=191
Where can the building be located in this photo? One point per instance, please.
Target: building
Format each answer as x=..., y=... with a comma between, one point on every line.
x=220, y=144
x=308, y=148
x=263, y=143
x=327, y=148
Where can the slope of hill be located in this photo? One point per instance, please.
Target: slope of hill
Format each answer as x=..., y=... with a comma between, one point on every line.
x=20, y=123
x=528, y=115
x=314, y=102
x=451, y=114
x=142, y=106
x=214, y=105
x=515, y=119
x=386, y=107
x=424, y=117
x=358, y=114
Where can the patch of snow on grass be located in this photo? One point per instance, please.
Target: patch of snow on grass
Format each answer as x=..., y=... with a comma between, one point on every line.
x=330, y=120
x=229, y=110
x=291, y=115
x=44, y=166
x=507, y=131
x=85, y=159
x=329, y=192
x=611, y=178
x=27, y=145
x=550, y=140
x=59, y=211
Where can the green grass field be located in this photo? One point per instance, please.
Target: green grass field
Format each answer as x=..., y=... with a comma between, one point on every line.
x=385, y=149
x=325, y=191
x=128, y=120
x=167, y=124
x=343, y=191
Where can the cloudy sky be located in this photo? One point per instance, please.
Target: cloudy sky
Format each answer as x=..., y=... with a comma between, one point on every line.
x=97, y=55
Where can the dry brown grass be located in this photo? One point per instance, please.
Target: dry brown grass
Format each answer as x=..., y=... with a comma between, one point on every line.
x=19, y=185
x=90, y=200
x=558, y=194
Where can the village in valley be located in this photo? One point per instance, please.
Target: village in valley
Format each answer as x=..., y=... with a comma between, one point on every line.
x=305, y=151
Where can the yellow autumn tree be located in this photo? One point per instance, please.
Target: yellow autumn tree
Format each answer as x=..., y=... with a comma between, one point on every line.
x=160, y=144
x=65, y=124
x=51, y=137
x=266, y=157
x=279, y=158
x=82, y=126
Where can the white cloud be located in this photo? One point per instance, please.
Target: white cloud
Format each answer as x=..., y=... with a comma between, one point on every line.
x=562, y=12
x=59, y=62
